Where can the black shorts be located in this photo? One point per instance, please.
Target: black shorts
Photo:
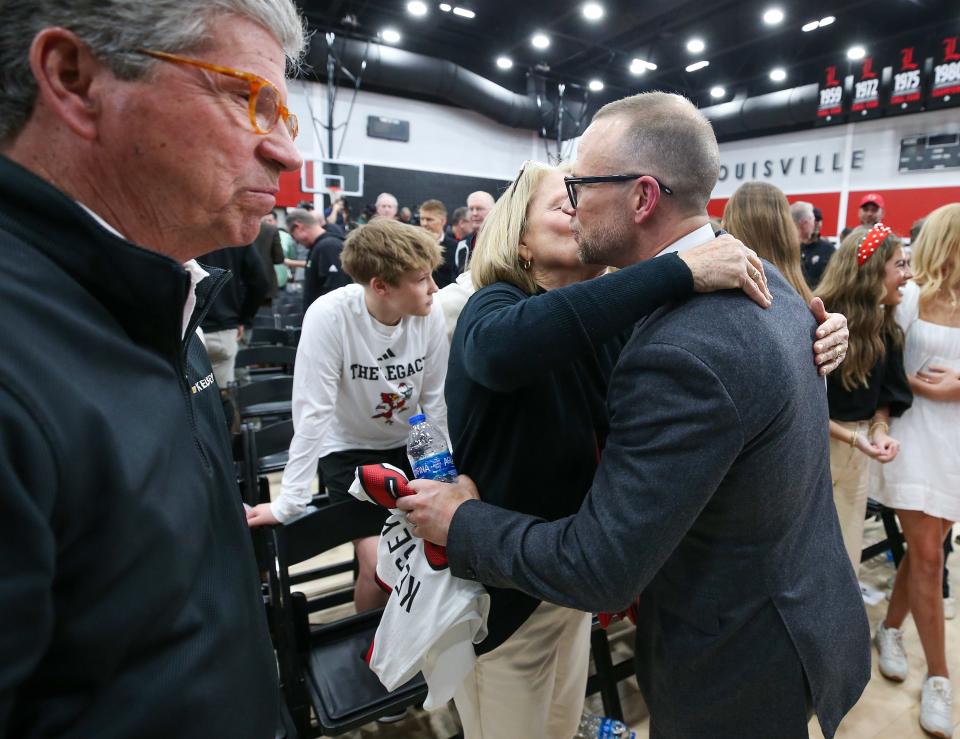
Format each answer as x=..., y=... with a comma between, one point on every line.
x=339, y=468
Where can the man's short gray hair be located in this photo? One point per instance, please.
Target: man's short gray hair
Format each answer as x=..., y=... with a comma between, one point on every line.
x=800, y=210
x=113, y=28
x=301, y=216
x=673, y=141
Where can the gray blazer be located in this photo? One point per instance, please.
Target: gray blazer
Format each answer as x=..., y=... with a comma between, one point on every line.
x=713, y=503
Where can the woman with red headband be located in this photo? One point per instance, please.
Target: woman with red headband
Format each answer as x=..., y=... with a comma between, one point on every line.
x=864, y=280
x=923, y=484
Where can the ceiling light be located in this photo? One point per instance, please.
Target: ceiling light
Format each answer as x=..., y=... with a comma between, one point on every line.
x=464, y=13
x=593, y=11
x=772, y=16
x=856, y=52
x=416, y=7
x=717, y=92
x=540, y=41
x=778, y=74
x=826, y=21
x=697, y=65
x=446, y=7
x=596, y=85
x=389, y=35
x=811, y=26
x=695, y=46
x=504, y=62
x=639, y=66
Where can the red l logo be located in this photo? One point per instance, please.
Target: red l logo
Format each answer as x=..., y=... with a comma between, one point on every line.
x=950, y=49
x=868, y=73
x=906, y=60
x=832, y=77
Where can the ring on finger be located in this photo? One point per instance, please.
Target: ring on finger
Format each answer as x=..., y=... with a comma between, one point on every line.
x=756, y=275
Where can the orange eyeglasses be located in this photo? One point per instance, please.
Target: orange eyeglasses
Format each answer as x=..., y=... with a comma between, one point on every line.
x=264, y=106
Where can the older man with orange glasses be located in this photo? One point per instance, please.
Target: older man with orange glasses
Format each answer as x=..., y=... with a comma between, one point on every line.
x=134, y=136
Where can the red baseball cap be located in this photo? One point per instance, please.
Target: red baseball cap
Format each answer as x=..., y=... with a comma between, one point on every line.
x=872, y=197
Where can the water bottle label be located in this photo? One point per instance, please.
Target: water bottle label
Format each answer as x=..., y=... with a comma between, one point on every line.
x=612, y=729
x=435, y=467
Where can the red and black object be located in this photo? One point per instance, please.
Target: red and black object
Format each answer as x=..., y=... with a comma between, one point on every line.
x=865, y=101
x=945, y=74
x=384, y=484
x=833, y=97
x=906, y=80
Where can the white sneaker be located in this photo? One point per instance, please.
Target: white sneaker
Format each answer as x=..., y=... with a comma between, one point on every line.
x=936, y=707
x=893, y=658
x=949, y=609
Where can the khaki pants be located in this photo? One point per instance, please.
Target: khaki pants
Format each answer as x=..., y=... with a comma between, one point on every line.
x=850, y=471
x=222, y=350
x=534, y=683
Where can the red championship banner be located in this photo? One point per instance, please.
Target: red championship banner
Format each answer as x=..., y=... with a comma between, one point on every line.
x=945, y=79
x=865, y=102
x=906, y=85
x=831, y=103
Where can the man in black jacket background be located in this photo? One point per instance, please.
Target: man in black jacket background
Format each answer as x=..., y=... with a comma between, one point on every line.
x=130, y=603
x=325, y=242
x=234, y=308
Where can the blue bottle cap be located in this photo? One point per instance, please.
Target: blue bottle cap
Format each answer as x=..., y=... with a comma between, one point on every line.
x=419, y=418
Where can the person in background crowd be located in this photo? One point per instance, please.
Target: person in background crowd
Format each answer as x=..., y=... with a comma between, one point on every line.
x=479, y=205
x=758, y=214
x=815, y=252
x=270, y=249
x=368, y=214
x=232, y=311
x=460, y=226
x=922, y=482
x=291, y=261
x=339, y=214
x=433, y=217
x=369, y=355
x=864, y=280
x=871, y=209
x=323, y=272
x=386, y=206
x=130, y=604
x=405, y=215
x=685, y=500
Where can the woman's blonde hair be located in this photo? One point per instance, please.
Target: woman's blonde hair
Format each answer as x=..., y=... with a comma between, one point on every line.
x=759, y=215
x=936, y=255
x=857, y=292
x=496, y=256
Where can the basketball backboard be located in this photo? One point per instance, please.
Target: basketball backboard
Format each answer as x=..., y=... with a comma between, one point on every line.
x=318, y=175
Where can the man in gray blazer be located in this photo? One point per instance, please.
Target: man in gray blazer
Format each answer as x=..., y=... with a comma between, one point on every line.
x=713, y=499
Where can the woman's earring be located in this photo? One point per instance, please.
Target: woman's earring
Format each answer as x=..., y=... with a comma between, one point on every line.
x=525, y=264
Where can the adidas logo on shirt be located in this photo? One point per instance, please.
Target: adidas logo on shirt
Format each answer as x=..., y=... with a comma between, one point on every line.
x=388, y=355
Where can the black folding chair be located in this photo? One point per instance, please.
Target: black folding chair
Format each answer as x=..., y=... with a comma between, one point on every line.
x=269, y=337
x=607, y=672
x=894, y=537
x=266, y=362
x=322, y=668
x=267, y=399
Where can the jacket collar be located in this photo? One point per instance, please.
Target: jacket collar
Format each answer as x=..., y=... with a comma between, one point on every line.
x=143, y=290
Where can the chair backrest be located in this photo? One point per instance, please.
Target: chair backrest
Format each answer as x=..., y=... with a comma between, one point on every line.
x=267, y=356
x=273, y=439
x=329, y=527
x=265, y=391
x=269, y=336
x=294, y=320
x=293, y=336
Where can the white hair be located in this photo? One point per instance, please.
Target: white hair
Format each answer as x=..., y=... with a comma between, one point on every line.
x=800, y=210
x=114, y=28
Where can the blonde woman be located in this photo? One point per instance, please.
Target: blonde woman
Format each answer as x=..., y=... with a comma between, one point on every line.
x=526, y=387
x=923, y=482
x=864, y=280
x=759, y=215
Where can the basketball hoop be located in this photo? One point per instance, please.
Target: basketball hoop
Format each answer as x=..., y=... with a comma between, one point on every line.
x=334, y=192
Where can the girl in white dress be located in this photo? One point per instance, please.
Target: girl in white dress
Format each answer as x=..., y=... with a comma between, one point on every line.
x=923, y=482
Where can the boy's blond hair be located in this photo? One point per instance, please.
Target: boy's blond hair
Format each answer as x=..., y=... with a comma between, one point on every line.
x=387, y=249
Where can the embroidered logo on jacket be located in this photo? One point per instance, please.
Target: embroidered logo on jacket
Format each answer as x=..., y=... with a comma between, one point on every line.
x=391, y=403
x=202, y=384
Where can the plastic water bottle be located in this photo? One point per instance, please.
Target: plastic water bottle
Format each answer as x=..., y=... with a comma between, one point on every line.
x=428, y=453
x=601, y=727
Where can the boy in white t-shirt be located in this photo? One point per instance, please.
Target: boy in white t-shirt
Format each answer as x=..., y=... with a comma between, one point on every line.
x=371, y=355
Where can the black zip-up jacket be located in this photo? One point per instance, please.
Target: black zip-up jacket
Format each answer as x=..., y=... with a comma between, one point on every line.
x=237, y=303
x=324, y=273
x=129, y=599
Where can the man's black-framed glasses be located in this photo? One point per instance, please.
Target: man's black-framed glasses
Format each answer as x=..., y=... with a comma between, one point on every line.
x=573, y=182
